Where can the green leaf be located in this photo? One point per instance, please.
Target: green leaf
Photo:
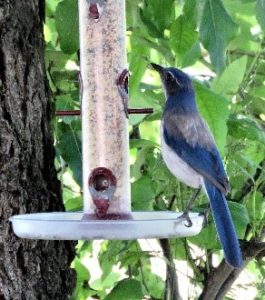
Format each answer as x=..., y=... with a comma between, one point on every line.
x=74, y=204
x=161, y=46
x=240, y=218
x=133, y=257
x=157, y=16
x=163, y=12
x=138, y=64
x=129, y=289
x=257, y=100
x=229, y=81
x=260, y=13
x=143, y=193
x=154, y=283
x=69, y=146
x=216, y=30
x=56, y=58
x=256, y=207
x=190, y=11
x=81, y=270
x=214, y=108
x=145, y=159
x=66, y=20
x=244, y=158
x=65, y=79
x=259, y=92
x=153, y=30
x=240, y=126
x=183, y=37
x=132, y=13
x=192, y=55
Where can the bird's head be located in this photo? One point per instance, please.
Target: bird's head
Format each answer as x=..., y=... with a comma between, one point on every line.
x=174, y=80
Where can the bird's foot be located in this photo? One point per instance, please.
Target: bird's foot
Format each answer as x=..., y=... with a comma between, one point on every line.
x=186, y=216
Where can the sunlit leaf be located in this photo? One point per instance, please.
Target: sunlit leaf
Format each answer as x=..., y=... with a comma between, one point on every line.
x=138, y=64
x=74, y=204
x=240, y=218
x=214, y=109
x=129, y=289
x=229, y=81
x=243, y=127
x=183, y=37
x=157, y=15
x=216, y=31
x=66, y=20
x=83, y=273
x=256, y=207
x=143, y=193
x=69, y=146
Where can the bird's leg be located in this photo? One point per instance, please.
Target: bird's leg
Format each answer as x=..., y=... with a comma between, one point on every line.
x=189, y=207
x=205, y=214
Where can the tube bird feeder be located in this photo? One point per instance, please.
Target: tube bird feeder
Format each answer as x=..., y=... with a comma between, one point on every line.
x=105, y=140
x=105, y=145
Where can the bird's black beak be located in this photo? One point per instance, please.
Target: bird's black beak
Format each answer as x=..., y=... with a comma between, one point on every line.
x=158, y=68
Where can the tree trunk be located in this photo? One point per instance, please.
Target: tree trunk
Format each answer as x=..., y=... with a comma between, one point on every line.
x=29, y=269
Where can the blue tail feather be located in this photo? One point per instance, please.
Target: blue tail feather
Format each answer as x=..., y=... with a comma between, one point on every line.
x=224, y=225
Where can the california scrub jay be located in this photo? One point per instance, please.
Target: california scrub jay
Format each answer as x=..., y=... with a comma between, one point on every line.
x=190, y=153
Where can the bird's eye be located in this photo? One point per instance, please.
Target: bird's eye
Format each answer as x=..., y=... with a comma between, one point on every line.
x=169, y=77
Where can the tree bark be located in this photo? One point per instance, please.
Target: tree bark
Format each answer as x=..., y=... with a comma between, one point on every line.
x=29, y=269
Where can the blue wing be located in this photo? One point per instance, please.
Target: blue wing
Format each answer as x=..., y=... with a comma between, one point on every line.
x=206, y=162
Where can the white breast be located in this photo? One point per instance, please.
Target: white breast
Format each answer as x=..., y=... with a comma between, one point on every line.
x=178, y=167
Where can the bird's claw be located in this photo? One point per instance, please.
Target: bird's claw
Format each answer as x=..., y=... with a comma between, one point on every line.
x=186, y=216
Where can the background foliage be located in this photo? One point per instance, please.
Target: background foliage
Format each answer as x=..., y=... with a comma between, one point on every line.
x=221, y=45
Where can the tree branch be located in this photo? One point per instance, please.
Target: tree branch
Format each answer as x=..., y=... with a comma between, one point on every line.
x=215, y=281
x=220, y=279
x=171, y=287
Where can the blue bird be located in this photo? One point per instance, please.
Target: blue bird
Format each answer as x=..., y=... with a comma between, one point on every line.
x=190, y=153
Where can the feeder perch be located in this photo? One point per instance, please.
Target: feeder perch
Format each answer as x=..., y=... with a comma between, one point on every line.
x=105, y=145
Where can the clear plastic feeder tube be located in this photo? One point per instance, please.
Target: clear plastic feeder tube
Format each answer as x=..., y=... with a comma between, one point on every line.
x=105, y=140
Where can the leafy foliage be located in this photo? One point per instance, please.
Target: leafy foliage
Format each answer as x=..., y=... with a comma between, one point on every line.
x=221, y=44
x=222, y=30
x=66, y=22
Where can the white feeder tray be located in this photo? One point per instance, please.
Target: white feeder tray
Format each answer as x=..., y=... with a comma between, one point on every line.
x=70, y=226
